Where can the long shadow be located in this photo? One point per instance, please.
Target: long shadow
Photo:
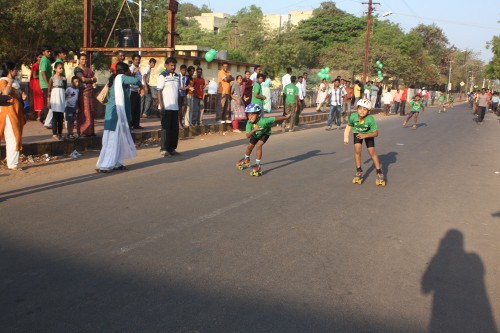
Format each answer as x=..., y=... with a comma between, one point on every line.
x=456, y=280
x=133, y=167
x=385, y=161
x=295, y=159
x=497, y=214
x=48, y=290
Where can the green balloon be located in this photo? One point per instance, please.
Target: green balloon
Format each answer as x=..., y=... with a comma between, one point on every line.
x=327, y=69
x=379, y=73
x=327, y=77
x=382, y=78
x=209, y=57
x=323, y=70
x=378, y=62
x=380, y=66
x=320, y=75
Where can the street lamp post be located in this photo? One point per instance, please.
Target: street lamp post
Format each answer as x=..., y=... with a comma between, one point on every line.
x=140, y=22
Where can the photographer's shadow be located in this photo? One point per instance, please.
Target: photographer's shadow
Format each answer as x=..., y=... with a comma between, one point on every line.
x=456, y=280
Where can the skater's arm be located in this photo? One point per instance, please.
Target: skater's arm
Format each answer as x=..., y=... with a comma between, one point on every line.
x=373, y=134
x=280, y=118
x=347, y=132
x=255, y=129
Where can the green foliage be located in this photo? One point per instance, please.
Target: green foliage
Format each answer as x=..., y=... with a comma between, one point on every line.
x=493, y=68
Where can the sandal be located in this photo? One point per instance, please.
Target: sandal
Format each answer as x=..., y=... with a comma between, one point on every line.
x=121, y=167
x=103, y=171
x=16, y=169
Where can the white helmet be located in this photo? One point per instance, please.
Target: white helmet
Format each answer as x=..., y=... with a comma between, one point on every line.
x=365, y=103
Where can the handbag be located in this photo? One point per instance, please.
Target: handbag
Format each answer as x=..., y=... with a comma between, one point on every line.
x=103, y=95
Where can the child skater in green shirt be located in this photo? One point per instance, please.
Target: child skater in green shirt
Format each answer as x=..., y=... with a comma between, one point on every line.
x=258, y=131
x=364, y=128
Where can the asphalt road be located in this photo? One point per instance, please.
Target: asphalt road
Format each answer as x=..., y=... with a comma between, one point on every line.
x=191, y=244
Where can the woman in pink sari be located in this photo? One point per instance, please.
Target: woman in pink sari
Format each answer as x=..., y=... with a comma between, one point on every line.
x=85, y=114
x=38, y=101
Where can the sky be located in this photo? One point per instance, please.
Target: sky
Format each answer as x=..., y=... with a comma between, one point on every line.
x=468, y=25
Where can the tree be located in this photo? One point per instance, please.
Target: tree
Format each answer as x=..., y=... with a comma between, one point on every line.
x=492, y=70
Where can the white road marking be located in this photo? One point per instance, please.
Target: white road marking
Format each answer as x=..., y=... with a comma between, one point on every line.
x=196, y=221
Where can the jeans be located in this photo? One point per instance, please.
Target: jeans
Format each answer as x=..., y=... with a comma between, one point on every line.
x=300, y=107
x=402, y=108
x=169, y=130
x=481, y=113
x=197, y=114
x=335, y=111
x=146, y=102
x=396, y=107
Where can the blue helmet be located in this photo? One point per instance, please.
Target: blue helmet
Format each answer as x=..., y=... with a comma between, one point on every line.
x=253, y=108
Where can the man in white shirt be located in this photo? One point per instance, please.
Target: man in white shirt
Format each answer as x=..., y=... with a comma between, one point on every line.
x=257, y=71
x=336, y=95
x=285, y=80
x=300, y=106
x=168, y=104
x=135, y=98
x=147, y=98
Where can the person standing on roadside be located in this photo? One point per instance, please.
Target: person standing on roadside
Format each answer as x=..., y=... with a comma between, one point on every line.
x=346, y=103
x=147, y=97
x=247, y=86
x=404, y=98
x=336, y=94
x=12, y=119
x=357, y=91
x=483, y=101
x=85, y=115
x=135, y=97
x=397, y=101
x=285, y=80
x=257, y=71
x=45, y=74
x=223, y=111
x=120, y=57
x=168, y=104
x=321, y=99
x=302, y=103
x=198, y=95
x=38, y=101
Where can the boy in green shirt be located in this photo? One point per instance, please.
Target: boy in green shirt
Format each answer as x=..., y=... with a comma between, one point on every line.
x=258, y=130
x=257, y=97
x=45, y=73
x=416, y=106
x=291, y=92
x=365, y=128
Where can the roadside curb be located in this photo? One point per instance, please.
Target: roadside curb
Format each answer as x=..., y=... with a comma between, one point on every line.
x=58, y=148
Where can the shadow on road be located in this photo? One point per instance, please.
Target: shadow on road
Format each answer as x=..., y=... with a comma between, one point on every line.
x=385, y=161
x=295, y=159
x=132, y=167
x=497, y=214
x=456, y=280
x=45, y=289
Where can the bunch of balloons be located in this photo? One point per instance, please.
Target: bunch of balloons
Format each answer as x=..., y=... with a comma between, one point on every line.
x=323, y=74
x=380, y=66
x=210, y=55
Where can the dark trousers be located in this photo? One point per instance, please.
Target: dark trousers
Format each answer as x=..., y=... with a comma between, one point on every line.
x=284, y=104
x=57, y=123
x=45, y=109
x=402, y=108
x=169, y=130
x=135, y=106
x=300, y=107
x=396, y=107
x=481, y=113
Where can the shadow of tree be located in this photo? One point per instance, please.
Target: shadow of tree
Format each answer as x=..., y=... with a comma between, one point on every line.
x=456, y=280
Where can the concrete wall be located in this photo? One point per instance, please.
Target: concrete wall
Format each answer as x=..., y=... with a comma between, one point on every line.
x=212, y=21
x=299, y=15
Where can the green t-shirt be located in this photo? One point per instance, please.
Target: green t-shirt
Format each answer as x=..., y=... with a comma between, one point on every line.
x=441, y=99
x=257, y=89
x=416, y=106
x=62, y=62
x=45, y=66
x=367, y=125
x=265, y=125
x=291, y=90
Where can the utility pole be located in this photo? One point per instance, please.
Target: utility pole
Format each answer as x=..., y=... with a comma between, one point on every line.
x=367, y=45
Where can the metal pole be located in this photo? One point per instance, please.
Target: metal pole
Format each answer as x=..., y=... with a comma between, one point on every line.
x=140, y=26
x=367, y=43
x=449, y=78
